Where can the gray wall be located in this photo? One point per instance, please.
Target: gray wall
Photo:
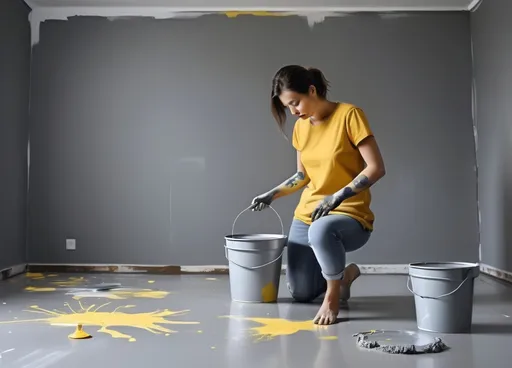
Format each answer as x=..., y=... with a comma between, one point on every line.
x=492, y=38
x=149, y=137
x=14, y=93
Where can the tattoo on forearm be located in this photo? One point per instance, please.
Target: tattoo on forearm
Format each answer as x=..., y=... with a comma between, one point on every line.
x=361, y=182
x=295, y=179
x=291, y=183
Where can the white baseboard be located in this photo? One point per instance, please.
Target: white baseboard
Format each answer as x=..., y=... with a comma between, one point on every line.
x=496, y=272
x=12, y=271
x=366, y=269
x=400, y=269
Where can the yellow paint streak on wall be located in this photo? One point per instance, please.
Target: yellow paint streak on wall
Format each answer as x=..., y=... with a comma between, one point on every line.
x=150, y=321
x=125, y=294
x=39, y=289
x=269, y=293
x=273, y=327
x=234, y=14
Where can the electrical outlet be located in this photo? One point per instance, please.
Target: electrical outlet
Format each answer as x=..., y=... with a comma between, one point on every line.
x=70, y=244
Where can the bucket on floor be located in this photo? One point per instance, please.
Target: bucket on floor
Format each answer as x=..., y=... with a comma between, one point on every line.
x=443, y=295
x=254, y=264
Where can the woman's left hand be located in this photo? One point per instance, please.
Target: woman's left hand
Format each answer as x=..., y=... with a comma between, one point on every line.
x=327, y=205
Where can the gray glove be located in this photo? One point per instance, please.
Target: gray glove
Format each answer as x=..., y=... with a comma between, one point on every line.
x=262, y=201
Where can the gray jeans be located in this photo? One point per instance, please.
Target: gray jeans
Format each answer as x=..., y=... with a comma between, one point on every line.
x=316, y=253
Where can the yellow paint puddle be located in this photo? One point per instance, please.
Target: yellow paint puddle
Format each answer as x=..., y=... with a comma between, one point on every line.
x=149, y=321
x=273, y=327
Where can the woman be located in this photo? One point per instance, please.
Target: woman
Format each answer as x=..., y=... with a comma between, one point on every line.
x=338, y=160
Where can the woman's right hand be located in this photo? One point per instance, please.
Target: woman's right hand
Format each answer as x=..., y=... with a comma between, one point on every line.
x=262, y=201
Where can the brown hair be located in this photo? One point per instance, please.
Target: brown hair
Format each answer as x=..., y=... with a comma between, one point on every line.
x=298, y=79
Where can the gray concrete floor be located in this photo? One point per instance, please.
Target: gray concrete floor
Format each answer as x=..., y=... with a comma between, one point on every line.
x=138, y=328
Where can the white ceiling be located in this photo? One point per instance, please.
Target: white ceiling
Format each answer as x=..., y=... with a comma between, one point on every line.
x=276, y=5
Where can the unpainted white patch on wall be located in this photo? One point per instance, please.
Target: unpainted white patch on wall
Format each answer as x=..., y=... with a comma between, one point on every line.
x=314, y=15
x=474, y=117
x=474, y=5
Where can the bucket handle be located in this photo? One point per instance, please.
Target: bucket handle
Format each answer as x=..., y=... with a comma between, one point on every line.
x=440, y=296
x=236, y=218
x=255, y=267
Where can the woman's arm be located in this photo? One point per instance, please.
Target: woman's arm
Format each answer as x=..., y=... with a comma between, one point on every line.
x=295, y=182
x=372, y=173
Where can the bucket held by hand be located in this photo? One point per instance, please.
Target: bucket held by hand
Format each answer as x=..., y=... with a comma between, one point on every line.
x=254, y=264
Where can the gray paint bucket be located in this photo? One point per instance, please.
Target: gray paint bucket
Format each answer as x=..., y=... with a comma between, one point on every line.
x=443, y=295
x=255, y=264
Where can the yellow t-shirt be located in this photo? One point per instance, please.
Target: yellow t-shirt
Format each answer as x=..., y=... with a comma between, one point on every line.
x=331, y=160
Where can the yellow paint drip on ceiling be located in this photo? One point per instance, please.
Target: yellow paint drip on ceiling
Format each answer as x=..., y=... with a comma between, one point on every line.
x=234, y=14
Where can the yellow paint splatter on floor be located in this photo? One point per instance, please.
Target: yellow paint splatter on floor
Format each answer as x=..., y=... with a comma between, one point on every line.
x=35, y=275
x=39, y=289
x=273, y=327
x=211, y=279
x=328, y=337
x=72, y=281
x=149, y=321
x=151, y=281
x=121, y=294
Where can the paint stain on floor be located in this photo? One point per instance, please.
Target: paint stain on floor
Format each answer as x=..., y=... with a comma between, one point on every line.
x=149, y=321
x=273, y=327
x=40, y=289
x=71, y=281
x=119, y=294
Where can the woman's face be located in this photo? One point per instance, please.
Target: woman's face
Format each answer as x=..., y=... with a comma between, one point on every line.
x=301, y=105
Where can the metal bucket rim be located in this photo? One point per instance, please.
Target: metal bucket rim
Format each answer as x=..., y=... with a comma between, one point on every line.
x=255, y=237
x=448, y=266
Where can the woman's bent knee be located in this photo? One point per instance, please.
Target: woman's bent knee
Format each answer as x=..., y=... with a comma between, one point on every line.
x=302, y=296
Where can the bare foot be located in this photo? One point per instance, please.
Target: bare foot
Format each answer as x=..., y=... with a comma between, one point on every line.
x=350, y=274
x=329, y=310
